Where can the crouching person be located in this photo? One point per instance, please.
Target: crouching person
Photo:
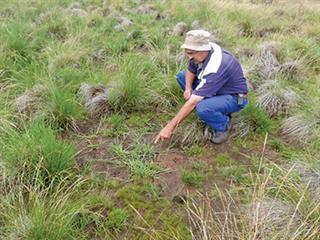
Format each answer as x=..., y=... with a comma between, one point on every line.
x=213, y=85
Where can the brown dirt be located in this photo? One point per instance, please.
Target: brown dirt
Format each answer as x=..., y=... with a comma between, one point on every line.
x=94, y=150
x=170, y=181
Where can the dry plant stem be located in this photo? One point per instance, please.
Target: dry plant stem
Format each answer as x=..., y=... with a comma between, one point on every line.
x=142, y=218
x=263, y=151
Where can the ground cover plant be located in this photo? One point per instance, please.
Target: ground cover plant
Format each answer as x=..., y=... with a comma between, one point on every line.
x=86, y=85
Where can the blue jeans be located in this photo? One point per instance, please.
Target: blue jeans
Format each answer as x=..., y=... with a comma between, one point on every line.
x=214, y=110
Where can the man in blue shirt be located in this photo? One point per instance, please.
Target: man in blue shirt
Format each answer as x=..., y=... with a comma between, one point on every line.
x=213, y=84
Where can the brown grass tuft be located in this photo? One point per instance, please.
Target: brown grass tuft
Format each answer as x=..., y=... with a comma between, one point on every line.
x=267, y=59
x=275, y=99
x=31, y=101
x=180, y=29
x=309, y=177
x=190, y=132
x=299, y=129
x=271, y=218
x=95, y=98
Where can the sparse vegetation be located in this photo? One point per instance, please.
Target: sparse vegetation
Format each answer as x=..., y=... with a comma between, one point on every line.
x=86, y=85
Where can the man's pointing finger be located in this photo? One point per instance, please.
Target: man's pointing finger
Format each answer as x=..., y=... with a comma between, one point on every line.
x=157, y=139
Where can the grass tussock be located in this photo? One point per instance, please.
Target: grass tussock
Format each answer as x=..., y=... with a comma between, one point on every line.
x=64, y=108
x=36, y=211
x=275, y=99
x=251, y=120
x=32, y=100
x=38, y=147
x=299, y=128
x=95, y=98
x=134, y=87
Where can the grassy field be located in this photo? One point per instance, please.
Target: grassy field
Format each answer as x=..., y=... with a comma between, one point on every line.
x=86, y=86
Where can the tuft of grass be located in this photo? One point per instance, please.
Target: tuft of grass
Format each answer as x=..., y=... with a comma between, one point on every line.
x=15, y=35
x=193, y=178
x=308, y=48
x=223, y=160
x=299, y=128
x=116, y=126
x=134, y=84
x=276, y=99
x=64, y=107
x=139, y=158
x=38, y=146
x=95, y=98
x=44, y=212
x=116, y=219
x=234, y=173
x=70, y=53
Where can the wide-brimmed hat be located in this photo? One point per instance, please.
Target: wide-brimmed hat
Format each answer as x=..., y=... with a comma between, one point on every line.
x=197, y=40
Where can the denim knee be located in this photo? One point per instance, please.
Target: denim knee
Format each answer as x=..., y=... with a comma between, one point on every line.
x=201, y=109
x=181, y=78
x=181, y=75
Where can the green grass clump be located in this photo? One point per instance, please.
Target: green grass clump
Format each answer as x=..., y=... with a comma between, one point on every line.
x=223, y=160
x=308, y=48
x=115, y=126
x=64, y=107
x=252, y=120
x=134, y=83
x=194, y=150
x=52, y=212
x=36, y=145
x=139, y=159
x=15, y=35
x=116, y=219
x=234, y=173
x=193, y=178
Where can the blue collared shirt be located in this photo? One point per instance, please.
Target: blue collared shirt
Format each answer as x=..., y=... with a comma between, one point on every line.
x=219, y=74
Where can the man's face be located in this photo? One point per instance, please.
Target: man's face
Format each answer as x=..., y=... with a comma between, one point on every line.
x=197, y=56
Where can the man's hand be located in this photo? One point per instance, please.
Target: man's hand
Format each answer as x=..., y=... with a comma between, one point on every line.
x=164, y=134
x=186, y=109
x=187, y=94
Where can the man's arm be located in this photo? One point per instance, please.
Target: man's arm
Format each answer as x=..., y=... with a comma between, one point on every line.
x=186, y=109
x=189, y=80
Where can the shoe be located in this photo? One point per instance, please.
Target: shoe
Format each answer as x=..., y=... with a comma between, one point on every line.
x=221, y=137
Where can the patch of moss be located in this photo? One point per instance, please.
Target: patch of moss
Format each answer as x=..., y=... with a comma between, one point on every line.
x=142, y=198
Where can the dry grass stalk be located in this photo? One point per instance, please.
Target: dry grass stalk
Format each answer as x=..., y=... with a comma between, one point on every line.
x=211, y=221
x=271, y=218
x=241, y=126
x=190, y=133
x=309, y=177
